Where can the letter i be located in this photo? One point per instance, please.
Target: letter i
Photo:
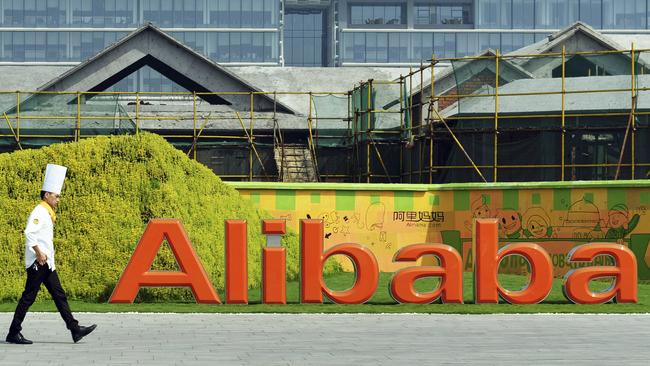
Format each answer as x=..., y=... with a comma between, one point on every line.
x=274, y=287
x=236, y=262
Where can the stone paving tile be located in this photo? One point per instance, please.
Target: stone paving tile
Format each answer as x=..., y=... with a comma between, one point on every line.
x=335, y=339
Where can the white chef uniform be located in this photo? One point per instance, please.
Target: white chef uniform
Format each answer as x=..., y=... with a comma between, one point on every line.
x=40, y=224
x=40, y=231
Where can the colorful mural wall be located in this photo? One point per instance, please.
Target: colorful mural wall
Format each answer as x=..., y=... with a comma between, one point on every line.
x=385, y=218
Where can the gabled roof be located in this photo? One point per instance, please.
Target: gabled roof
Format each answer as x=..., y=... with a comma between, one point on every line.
x=562, y=36
x=150, y=46
x=458, y=67
x=531, y=67
x=452, y=76
x=579, y=101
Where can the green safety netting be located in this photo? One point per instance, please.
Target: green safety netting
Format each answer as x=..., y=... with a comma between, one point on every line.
x=530, y=106
x=330, y=120
x=44, y=118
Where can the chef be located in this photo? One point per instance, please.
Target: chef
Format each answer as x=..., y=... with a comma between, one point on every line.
x=39, y=260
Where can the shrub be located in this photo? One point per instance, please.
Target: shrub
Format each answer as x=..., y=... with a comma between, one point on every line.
x=114, y=186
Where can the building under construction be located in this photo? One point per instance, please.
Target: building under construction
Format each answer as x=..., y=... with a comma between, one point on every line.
x=572, y=106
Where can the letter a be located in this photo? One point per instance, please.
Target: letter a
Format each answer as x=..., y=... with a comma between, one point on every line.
x=402, y=286
x=624, y=270
x=137, y=274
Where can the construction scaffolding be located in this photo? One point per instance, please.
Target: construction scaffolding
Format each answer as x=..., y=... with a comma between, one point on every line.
x=518, y=117
x=246, y=144
x=555, y=116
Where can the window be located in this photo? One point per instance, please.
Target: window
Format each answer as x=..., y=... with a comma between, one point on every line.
x=150, y=11
x=244, y=13
x=19, y=46
x=98, y=12
x=86, y=45
x=242, y=46
x=123, y=13
x=422, y=46
x=495, y=13
x=166, y=13
x=30, y=13
x=13, y=13
x=55, y=12
x=305, y=37
x=82, y=13
x=377, y=14
x=590, y=12
x=443, y=14
x=35, y=46
x=398, y=47
x=467, y=44
x=271, y=11
x=170, y=13
x=55, y=50
x=523, y=14
x=7, y=46
x=624, y=14
x=555, y=13
x=489, y=41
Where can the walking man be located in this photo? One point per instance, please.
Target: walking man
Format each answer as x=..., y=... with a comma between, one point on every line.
x=39, y=260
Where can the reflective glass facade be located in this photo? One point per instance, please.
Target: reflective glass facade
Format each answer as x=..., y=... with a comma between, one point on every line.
x=73, y=30
x=303, y=33
x=384, y=47
x=553, y=14
x=449, y=28
x=377, y=14
x=441, y=14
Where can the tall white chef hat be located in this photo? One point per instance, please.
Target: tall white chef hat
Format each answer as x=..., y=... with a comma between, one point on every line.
x=54, y=177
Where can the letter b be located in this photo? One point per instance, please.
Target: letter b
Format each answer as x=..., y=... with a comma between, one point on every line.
x=486, y=286
x=312, y=258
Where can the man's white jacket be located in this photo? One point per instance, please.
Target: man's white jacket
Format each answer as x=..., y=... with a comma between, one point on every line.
x=39, y=231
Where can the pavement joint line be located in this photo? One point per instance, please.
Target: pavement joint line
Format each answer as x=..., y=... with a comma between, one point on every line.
x=383, y=339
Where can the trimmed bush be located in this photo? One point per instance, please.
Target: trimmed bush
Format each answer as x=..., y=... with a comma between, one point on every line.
x=114, y=186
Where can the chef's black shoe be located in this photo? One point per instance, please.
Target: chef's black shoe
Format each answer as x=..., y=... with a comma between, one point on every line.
x=81, y=332
x=17, y=338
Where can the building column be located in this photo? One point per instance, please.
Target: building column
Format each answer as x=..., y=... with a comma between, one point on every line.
x=281, y=34
x=410, y=14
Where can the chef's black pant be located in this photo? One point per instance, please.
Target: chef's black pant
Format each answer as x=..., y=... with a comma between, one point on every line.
x=37, y=275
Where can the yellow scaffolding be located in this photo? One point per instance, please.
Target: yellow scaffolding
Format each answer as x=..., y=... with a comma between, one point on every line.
x=71, y=122
x=421, y=136
x=396, y=139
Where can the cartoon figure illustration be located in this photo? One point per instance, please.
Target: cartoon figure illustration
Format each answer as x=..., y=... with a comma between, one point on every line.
x=509, y=223
x=375, y=216
x=375, y=219
x=583, y=218
x=330, y=219
x=345, y=226
x=537, y=224
x=356, y=220
x=480, y=210
x=620, y=224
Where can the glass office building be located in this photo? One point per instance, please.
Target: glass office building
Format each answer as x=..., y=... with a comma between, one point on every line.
x=300, y=32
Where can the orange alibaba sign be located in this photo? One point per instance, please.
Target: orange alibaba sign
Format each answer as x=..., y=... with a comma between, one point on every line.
x=312, y=257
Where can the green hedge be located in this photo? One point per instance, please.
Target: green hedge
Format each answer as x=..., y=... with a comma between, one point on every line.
x=114, y=186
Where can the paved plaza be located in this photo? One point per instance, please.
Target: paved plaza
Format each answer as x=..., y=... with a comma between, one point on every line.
x=334, y=339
